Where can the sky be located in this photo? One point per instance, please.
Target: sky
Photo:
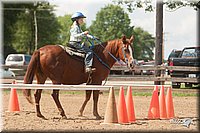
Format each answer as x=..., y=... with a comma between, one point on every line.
x=179, y=27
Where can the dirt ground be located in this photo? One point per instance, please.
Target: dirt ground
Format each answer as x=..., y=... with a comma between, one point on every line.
x=26, y=120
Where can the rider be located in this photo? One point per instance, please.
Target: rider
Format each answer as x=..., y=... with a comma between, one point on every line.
x=76, y=36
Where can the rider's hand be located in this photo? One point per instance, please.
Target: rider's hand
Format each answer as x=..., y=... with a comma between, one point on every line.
x=96, y=38
x=86, y=32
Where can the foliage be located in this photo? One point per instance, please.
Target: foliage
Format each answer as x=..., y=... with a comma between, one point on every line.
x=144, y=44
x=65, y=23
x=48, y=26
x=148, y=5
x=22, y=35
x=111, y=23
x=64, y=33
x=19, y=30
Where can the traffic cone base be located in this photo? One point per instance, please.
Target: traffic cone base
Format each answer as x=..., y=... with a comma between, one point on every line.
x=13, y=101
x=130, y=105
x=154, y=112
x=162, y=103
x=122, y=110
x=111, y=109
x=169, y=104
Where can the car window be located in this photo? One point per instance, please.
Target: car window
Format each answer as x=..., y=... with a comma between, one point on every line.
x=15, y=58
x=27, y=58
x=198, y=52
x=189, y=53
x=174, y=54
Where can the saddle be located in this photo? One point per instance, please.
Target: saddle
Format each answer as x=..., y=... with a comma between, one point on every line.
x=73, y=51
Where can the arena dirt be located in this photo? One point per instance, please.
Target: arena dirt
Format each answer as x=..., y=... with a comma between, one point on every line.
x=26, y=120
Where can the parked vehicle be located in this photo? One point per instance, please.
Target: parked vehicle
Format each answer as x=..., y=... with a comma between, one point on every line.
x=14, y=60
x=189, y=56
x=122, y=69
x=18, y=59
x=148, y=72
x=174, y=54
x=6, y=76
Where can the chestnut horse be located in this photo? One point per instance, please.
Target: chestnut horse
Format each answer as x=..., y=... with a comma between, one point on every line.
x=52, y=61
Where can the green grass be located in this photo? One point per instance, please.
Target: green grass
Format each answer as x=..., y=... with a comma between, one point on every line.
x=106, y=93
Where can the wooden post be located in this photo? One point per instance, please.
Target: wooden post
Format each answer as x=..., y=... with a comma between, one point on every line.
x=159, y=37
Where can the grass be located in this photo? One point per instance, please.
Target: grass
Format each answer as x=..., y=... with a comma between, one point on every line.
x=7, y=91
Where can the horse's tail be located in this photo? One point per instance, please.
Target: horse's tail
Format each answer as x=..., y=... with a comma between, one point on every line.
x=28, y=78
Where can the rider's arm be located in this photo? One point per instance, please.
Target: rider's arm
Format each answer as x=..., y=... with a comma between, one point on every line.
x=75, y=31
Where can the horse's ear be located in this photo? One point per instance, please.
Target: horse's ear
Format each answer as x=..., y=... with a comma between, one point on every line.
x=124, y=39
x=131, y=39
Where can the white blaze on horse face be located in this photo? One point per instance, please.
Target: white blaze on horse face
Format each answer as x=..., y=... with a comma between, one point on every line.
x=130, y=59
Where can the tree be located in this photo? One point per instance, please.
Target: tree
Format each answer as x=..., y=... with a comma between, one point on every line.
x=144, y=44
x=111, y=23
x=65, y=23
x=48, y=26
x=10, y=16
x=19, y=26
x=170, y=5
x=22, y=34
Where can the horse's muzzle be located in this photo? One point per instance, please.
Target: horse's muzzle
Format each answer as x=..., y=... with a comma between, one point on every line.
x=131, y=64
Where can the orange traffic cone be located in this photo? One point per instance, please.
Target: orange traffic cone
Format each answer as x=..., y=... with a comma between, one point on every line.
x=130, y=105
x=122, y=111
x=162, y=103
x=111, y=109
x=13, y=101
x=169, y=104
x=154, y=112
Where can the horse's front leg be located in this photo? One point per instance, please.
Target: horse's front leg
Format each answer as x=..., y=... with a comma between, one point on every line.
x=95, y=100
x=87, y=98
x=37, y=96
x=55, y=96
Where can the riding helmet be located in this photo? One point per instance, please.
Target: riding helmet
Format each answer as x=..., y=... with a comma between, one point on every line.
x=77, y=15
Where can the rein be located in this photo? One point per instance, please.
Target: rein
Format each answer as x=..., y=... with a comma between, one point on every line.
x=100, y=43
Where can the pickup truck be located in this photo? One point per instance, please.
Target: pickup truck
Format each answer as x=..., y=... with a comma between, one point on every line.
x=189, y=56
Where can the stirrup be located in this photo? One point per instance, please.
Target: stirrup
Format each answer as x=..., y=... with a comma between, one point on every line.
x=90, y=70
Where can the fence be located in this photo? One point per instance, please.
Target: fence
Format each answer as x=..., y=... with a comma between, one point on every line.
x=20, y=72
x=60, y=87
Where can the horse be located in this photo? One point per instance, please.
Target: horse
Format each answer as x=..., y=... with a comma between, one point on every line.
x=52, y=61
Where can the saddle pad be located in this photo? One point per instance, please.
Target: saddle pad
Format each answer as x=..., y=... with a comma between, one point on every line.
x=72, y=51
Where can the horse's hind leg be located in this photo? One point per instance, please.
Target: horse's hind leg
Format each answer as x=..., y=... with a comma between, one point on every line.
x=55, y=96
x=40, y=80
x=95, y=100
x=37, y=95
x=87, y=98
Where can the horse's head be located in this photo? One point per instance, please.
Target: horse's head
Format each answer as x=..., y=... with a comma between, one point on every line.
x=126, y=51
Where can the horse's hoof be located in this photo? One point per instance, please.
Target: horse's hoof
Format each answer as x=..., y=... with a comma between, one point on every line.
x=41, y=116
x=80, y=115
x=99, y=118
x=64, y=117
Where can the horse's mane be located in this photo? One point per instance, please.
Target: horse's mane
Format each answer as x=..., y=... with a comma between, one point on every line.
x=108, y=44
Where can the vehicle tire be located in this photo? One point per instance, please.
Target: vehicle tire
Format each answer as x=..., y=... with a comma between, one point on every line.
x=176, y=85
x=189, y=85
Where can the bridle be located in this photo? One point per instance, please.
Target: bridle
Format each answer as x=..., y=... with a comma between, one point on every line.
x=105, y=64
x=117, y=60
